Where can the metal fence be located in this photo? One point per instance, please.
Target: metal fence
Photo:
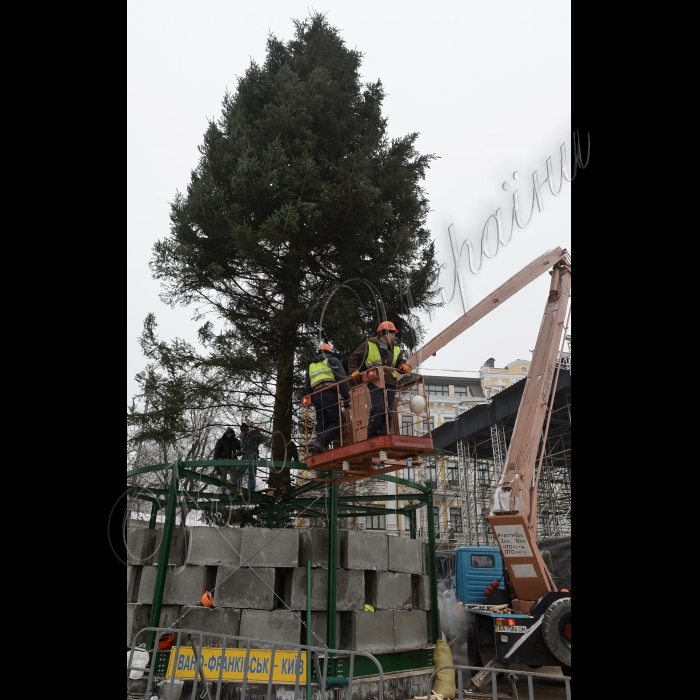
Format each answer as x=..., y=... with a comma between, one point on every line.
x=513, y=677
x=212, y=672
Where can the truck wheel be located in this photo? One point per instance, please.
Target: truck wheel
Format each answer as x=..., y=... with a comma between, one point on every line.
x=556, y=630
x=473, y=658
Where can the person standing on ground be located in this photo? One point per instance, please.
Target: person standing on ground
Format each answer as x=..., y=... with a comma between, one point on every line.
x=375, y=351
x=325, y=370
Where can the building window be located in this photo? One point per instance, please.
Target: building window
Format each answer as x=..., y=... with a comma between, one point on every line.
x=406, y=523
x=409, y=473
x=375, y=522
x=462, y=391
x=452, y=471
x=523, y=370
x=438, y=389
x=456, y=519
x=406, y=425
x=436, y=520
x=423, y=425
x=431, y=473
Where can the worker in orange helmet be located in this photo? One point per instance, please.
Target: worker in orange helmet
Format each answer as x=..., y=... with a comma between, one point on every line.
x=375, y=351
x=325, y=370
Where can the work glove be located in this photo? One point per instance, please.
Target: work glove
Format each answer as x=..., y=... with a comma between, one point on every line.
x=306, y=401
x=405, y=368
x=356, y=376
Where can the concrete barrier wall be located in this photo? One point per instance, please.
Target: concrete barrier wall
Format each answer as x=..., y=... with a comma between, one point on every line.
x=255, y=574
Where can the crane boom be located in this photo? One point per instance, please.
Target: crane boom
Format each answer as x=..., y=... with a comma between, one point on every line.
x=513, y=512
x=496, y=298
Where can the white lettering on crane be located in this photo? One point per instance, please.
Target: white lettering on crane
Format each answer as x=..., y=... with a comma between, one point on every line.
x=513, y=540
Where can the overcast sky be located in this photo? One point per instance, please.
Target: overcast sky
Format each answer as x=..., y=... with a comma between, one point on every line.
x=486, y=84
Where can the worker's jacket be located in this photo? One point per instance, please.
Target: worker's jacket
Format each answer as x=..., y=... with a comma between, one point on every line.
x=326, y=368
x=250, y=443
x=225, y=447
x=371, y=353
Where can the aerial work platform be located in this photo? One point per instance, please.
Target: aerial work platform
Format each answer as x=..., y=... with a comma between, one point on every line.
x=354, y=456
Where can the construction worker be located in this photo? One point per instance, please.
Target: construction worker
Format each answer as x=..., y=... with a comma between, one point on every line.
x=250, y=444
x=326, y=369
x=227, y=447
x=379, y=350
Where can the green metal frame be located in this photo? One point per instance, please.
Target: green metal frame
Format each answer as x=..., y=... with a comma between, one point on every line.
x=277, y=513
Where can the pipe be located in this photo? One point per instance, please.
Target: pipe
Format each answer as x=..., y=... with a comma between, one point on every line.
x=308, y=629
x=164, y=554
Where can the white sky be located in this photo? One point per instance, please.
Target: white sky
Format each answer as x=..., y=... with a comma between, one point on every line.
x=486, y=84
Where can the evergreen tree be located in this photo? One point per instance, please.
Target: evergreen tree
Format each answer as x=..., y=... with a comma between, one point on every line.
x=300, y=206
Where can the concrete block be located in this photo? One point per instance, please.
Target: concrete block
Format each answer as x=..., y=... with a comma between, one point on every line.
x=319, y=628
x=313, y=547
x=365, y=551
x=140, y=546
x=405, y=555
x=294, y=594
x=183, y=588
x=269, y=547
x=179, y=546
x=426, y=558
x=213, y=547
x=367, y=631
x=133, y=578
x=214, y=621
x=350, y=589
x=281, y=626
x=421, y=592
x=410, y=629
x=390, y=591
x=139, y=616
x=244, y=588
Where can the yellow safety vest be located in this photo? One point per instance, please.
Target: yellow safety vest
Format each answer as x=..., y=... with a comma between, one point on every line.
x=320, y=372
x=374, y=357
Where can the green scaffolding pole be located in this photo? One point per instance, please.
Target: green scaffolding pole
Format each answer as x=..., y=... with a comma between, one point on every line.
x=435, y=612
x=332, y=559
x=308, y=629
x=154, y=513
x=164, y=553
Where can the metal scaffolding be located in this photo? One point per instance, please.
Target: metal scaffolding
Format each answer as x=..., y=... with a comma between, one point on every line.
x=481, y=457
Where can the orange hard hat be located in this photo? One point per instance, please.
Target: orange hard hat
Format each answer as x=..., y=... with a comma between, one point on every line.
x=207, y=600
x=166, y=641
x=326, y=347
x=387, y=326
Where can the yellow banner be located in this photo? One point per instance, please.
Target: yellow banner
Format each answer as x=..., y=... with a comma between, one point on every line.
x=234, y=664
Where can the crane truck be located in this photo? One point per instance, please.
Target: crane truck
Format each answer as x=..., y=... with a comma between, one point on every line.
x=532, y=625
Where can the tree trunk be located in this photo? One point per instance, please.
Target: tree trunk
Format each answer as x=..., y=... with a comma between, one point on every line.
x=282, y=415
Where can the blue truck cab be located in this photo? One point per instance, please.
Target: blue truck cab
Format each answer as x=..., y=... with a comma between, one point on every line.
x=508, y=636
x=475, y=568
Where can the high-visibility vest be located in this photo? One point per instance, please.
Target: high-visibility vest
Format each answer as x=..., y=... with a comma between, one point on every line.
x=320, y=372
x=374, y=357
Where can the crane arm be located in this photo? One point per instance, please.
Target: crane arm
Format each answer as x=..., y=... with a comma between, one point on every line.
x=513, y=512
x=489, y=303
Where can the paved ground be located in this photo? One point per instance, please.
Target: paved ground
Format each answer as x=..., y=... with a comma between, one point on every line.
x=543, y=689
